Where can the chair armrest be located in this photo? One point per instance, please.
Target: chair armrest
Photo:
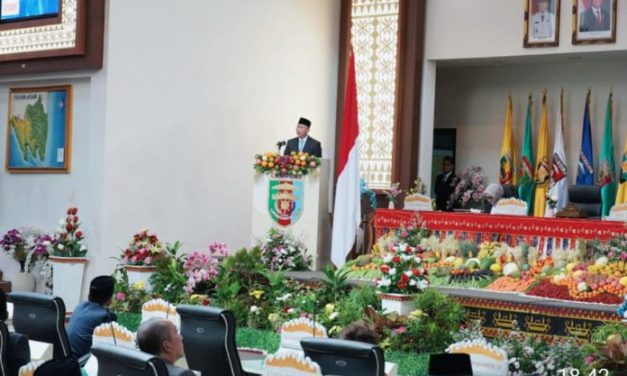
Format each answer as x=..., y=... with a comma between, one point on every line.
x=83, y=359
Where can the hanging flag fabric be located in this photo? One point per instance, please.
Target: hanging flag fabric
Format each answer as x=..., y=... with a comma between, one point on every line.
x=621, y=195
x=559, y=169
x=607, y=168
x=542, y=172
x=347, y=207
x=507, y=162
x=526, y=180
x=585, y=168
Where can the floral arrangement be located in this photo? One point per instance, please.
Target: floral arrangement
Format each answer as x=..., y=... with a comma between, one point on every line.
x=68, y=239
x=14, y=242
x=394, y=191
x=42, y=244
x=616, y=249
x=296, y=164
x=279, y=251
x=419, y=187
x=201, y=267
x=402, y=271
x=143, y=250
x=469, y=188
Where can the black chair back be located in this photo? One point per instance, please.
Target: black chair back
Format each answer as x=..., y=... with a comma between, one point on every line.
x=41, y=318
x=61, y=366
x=4, y=342
x=509, y=191
x=450, y=365
x=586, y=198
x=209, y=340
x=344, y=358
x=119, y=360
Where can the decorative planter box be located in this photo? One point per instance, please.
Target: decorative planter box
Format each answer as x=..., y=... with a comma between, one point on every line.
x=138, y=273
x=67, y=279
x=402, y=304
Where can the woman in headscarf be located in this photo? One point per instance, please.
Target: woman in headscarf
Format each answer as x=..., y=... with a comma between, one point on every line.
x=491, y=195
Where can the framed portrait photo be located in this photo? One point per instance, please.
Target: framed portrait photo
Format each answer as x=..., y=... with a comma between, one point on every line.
x=594, y=21
x=39, y=129
x=542, y=23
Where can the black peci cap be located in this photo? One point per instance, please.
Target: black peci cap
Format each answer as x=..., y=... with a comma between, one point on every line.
x=101, y=288
x=304, y=122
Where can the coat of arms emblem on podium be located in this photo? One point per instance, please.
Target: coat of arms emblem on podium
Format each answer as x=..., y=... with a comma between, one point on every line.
x=285, y=200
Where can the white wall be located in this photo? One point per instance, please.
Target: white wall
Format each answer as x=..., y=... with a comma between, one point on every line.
x=462, y=29
x=165, y=134
x=473, y=100
x=192, y=99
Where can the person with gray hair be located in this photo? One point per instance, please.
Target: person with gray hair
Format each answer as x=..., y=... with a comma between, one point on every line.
x=491, y=195
x=161, y=338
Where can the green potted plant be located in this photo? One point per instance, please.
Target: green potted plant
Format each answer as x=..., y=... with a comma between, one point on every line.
x=68, y=259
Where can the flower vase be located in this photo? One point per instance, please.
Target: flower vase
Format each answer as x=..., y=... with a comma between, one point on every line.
x=391, y=205
x=67, y=279
x=402, y=304
x=140, y=273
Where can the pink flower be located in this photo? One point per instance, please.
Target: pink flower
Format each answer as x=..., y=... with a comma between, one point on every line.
x=148, y=261
x=401, y=330
x=588, y=360
x=120, y=296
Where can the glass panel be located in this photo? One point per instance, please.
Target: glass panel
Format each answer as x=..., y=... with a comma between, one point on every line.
x=375, y=39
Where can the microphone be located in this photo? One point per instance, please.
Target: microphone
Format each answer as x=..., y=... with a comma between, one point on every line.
x=280, y=144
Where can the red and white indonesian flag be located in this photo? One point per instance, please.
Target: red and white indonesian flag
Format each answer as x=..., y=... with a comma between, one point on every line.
x=347, y=209
x=559, y=173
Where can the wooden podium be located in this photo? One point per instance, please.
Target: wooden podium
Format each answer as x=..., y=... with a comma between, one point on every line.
x=299, y=206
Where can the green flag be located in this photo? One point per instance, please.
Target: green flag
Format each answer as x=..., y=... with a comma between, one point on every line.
x=607, y=169
x=526, y=183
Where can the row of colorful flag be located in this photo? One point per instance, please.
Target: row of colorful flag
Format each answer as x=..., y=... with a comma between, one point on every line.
x=543, y=184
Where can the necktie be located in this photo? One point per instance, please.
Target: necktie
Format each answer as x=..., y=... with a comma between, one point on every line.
x=301, y=144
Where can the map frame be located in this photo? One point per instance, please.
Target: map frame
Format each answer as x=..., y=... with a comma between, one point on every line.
x=67, y=126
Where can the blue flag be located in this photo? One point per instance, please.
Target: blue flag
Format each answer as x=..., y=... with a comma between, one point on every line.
x=585, y=169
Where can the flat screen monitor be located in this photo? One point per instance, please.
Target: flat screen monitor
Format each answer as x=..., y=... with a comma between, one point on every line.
x=25, y=10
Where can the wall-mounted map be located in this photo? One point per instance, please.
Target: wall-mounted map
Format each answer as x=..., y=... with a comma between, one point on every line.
x=39, y=129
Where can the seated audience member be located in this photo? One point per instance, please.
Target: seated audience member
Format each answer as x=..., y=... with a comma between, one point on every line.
x=18, y=351
x=159, y=337
x=360, y=331
x=91, y=313
x=492, y=194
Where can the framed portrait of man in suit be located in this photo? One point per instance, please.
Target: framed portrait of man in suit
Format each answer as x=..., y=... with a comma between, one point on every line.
x=594, y=21
x=542, y=23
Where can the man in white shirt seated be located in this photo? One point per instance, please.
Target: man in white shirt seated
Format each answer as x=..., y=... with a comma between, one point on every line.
x=160, y=337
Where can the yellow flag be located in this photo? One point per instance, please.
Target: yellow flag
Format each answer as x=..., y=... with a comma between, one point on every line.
x=543, y=172
x=621, y=195
x=507, y=162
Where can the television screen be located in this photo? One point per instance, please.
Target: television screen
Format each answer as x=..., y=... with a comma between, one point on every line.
x=24, y=10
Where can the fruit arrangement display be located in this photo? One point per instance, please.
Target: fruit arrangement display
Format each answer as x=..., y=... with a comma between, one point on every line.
x=590, y=272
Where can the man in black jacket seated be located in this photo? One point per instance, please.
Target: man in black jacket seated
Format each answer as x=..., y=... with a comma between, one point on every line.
x=159, y=337
x=303, y=142
x=18, y=351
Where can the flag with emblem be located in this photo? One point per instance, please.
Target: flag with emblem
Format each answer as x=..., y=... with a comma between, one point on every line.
x=559, y=170
x=585, y=169
x=542, y=174
x=621, y=195
x=526, y=181
x=507, y=170
x=607, y=169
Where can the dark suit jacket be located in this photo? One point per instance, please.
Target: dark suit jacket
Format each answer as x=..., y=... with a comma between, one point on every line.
x=178, y=371
x=18, y=352
x=312, y=146
x=588, y=21
x=443, y=190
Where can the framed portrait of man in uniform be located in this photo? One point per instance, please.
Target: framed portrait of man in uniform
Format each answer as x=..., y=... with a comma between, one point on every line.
x=594, y=21
x=542, y=23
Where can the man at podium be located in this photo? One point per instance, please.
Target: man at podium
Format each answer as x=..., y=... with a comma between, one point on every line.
x=303, y=142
